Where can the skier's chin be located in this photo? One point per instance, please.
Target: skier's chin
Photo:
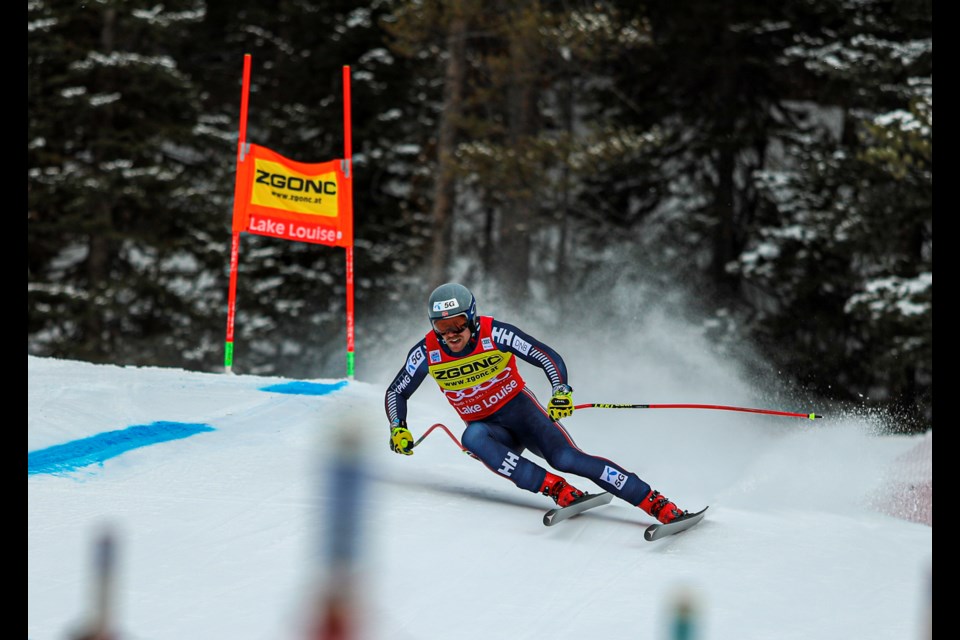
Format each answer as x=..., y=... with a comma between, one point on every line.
x=458, y=346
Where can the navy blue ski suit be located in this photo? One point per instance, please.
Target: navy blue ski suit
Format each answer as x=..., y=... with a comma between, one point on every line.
x=502, y=415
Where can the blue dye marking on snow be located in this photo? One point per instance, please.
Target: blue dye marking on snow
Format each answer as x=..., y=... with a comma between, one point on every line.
x=305, y=388
x=73, y=455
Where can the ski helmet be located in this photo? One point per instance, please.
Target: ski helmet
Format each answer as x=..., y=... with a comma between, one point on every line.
x=452, y=299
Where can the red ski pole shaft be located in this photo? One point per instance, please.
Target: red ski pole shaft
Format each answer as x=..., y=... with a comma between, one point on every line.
x=600, y=405
x=430, y=430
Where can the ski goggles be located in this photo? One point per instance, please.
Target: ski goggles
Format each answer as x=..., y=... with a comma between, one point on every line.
x=454, y=324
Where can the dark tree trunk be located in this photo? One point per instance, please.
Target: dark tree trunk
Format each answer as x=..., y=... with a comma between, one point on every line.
x=444, y=192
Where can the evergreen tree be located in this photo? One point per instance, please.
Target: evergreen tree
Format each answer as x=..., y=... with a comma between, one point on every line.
x=773, y=158
x=840, y=260
x=133, y=117
x=113, y=182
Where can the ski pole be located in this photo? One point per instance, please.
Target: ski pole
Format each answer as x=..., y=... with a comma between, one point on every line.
x=430, y=430
x=600, y=405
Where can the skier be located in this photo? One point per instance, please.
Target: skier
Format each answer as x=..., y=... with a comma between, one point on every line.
x=474, y=361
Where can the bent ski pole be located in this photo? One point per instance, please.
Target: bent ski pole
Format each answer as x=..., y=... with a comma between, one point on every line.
x=452, y=437
x=600, y=405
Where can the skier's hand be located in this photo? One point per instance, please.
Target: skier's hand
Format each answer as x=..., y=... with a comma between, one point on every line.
x=561, y=404
x=401, y=440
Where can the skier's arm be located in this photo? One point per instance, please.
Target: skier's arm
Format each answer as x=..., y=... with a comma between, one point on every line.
x=529, y=349
x=395, y=400
x=406, y=381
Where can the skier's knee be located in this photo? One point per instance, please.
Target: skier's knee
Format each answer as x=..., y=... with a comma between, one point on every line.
x=564, y=460
x=474, y=436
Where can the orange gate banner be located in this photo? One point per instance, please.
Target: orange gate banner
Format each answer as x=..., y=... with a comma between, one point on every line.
x=278, y=197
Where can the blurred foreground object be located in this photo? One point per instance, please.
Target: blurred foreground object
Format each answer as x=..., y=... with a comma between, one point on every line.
x=337, y=612
x=101, y=626
x=684, y=612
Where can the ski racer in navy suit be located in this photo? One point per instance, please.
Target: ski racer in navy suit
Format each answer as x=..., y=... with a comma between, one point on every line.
x=474, y=361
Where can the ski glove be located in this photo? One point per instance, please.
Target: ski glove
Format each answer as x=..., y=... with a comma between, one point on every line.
x=401, y=440
x=561, y=404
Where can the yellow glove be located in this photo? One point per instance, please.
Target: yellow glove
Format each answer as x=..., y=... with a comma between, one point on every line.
x=561, y=404
x=401, y=440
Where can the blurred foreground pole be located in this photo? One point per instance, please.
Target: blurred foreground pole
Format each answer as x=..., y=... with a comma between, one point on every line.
x=104, y=561
x=337, y=614
x=683, y=625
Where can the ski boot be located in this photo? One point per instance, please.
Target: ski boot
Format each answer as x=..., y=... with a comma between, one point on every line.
x=558, y=489
x=660, y=507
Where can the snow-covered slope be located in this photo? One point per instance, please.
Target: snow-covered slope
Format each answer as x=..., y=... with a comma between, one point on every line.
x=223, y=528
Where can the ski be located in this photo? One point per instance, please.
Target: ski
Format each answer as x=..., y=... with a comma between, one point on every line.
x=657, y=531
x=581, y=504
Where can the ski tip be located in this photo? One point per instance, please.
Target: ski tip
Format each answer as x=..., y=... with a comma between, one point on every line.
x=696, y=514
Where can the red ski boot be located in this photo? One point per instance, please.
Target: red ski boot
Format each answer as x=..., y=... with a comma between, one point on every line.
x=660, y=507
x=558, y=489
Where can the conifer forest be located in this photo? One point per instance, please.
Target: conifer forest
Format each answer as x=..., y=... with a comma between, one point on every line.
x=761, y=170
